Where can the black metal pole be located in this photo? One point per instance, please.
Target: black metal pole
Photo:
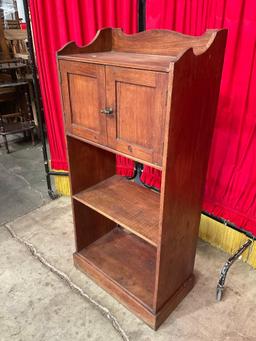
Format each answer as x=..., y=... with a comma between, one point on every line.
x=48, y=173
x=141, y=15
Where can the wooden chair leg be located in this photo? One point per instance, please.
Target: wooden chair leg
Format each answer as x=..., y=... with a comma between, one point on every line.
x=6, y=144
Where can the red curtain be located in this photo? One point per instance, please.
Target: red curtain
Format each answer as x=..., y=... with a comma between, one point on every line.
x=231, y=183
x=54, y=24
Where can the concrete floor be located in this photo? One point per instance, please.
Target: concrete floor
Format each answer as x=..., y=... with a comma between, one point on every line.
x=36, y=305
x=22, y=181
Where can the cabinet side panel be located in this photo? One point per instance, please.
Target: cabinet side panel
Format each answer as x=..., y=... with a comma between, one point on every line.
x=193, y=106
x=88, y=164
x=89, y=225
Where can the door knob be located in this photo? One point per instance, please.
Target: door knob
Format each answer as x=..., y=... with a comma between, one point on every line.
x=107, y=111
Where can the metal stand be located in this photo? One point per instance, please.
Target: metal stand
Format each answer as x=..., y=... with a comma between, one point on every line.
x=226, y=267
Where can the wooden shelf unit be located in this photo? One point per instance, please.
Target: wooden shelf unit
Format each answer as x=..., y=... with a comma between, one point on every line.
x=151, y=97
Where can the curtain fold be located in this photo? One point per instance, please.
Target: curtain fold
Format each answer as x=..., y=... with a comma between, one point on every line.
x=125, y=166
x=231, y=181
x=151, y=177
x=54, y=24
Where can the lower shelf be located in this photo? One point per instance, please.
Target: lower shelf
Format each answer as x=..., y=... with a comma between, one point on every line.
x=127, y=261
x=124, y=265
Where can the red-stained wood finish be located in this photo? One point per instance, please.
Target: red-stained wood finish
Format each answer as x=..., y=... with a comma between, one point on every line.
x=83, y=97
x=89, y=88
x=116, y=194
x=152, y=97
x=191, y=123
x=135, y=97
x=126, y=260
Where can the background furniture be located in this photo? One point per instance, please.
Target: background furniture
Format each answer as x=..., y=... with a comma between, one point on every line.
x=16, y=90
x=152, y=97
x=15, y=113
x=17, y=42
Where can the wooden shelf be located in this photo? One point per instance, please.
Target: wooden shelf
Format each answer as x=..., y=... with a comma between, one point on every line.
x=126, y=203
x=126, y=59
x=124, y=259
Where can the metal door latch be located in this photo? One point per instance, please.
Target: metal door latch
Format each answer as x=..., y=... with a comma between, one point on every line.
x=107, y=111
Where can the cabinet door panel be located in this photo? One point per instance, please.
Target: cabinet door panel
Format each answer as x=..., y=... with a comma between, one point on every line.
x=138, y=99
x=83, y=88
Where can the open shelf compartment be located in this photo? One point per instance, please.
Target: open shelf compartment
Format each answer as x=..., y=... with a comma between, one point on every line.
x=128, y=204
x=116, y=228
x=123, y=260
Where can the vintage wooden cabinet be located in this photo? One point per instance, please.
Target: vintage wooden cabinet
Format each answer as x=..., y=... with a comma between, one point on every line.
x=152, y=97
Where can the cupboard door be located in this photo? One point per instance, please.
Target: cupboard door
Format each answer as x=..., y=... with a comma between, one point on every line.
x=138, y=100
x=83, y=92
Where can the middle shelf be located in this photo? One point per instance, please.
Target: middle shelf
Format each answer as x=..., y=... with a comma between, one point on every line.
x=128, y=204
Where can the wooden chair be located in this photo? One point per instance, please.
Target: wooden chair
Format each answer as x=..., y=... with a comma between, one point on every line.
x=17, y=42
x=16, y=115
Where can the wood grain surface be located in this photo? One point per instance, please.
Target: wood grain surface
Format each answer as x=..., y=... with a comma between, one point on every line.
x=83, y=92
x=152, y=62
x=126, y=260
x=128, y=204
x=194, y=99
x=134, y=127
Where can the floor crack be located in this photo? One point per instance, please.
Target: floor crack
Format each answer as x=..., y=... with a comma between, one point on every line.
x=63, y=276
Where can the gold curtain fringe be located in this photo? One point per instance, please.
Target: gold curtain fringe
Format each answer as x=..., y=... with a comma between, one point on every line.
x=62, y=185
x=226, y=239
x=211, y=231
